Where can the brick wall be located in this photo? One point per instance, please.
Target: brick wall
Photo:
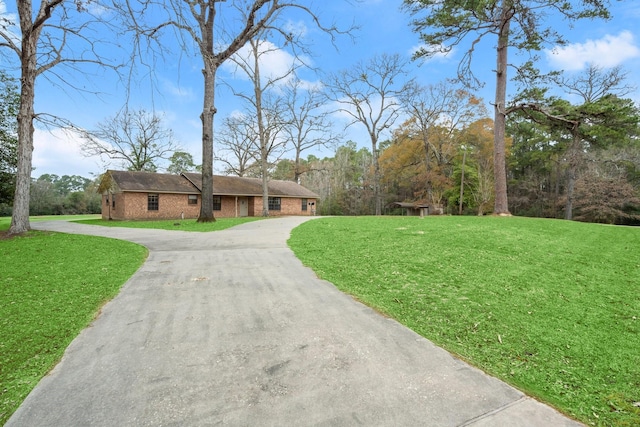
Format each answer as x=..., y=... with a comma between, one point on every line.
x=288, y=206
x=113, y=206
x=135, y=206
x=172, y=206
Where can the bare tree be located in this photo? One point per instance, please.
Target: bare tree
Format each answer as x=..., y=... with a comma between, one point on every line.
x=136, y=138
x=194, y=22
x=594, y=83
x=53, y=34
x=263, y=104
x=309, y=125
x=237, y=140
x=369, y=94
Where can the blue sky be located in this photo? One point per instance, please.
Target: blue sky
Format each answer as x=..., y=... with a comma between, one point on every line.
x=384, y=28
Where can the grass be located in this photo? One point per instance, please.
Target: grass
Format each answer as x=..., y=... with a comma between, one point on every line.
x=52, y=286
x=183, y=225
x=5, y=221
x=551, y=307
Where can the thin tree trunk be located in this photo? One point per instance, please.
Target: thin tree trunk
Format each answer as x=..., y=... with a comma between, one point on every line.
x=501, y=206
x=425, y=142
x=296, y=171
x=571, y=181
x=464, y=158
x=571, y=175
x=262, y=135
x=265, y=188
x=377, y=195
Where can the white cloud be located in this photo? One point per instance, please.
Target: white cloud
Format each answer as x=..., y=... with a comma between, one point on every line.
x=311, y=86
x=298, y=29
x=9, y=23
x=606, y=52
x=58, y=152
x=274, y=63
x=180, y=93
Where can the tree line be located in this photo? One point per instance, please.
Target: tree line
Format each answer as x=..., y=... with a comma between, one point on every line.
x=447, y=164
x=455, y=172
x=438, y=152
x=563, y=159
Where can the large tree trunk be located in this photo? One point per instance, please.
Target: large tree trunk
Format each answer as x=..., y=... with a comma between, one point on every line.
x=20, y=215
x=208, y=112
x=501, y=206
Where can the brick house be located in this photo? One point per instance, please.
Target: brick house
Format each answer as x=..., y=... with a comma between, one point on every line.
x=146, y=195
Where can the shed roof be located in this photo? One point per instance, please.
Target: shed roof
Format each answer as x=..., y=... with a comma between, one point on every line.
x=414, y=205
x=191, y=183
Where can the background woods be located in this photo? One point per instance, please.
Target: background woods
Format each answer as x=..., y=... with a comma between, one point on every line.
x=363, y=132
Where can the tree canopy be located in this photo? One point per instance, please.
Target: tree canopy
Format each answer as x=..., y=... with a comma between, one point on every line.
x=519, y=24
x=9, y=104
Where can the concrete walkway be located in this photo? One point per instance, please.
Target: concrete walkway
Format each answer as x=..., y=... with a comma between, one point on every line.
x=229, y=328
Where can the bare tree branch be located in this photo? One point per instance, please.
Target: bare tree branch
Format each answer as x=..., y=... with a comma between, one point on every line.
x=370, y=93
x=136, y=138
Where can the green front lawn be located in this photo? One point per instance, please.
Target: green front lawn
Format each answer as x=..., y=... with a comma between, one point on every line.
x=171, y=224
x=52, y=286
x=5, y=221
x=552, y=307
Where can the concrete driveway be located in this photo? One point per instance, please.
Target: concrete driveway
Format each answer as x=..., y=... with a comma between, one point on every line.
x=229, y=328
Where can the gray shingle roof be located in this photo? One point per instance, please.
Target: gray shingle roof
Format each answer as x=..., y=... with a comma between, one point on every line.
x=191, y=183
x=242, y=186
x=154, y=182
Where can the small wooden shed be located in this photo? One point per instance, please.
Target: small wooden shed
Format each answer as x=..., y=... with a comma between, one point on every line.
x=412, y=208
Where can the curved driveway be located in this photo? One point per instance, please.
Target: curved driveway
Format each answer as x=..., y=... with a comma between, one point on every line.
x=229, y=328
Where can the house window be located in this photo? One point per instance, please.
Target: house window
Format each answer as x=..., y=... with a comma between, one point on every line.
x=152, y=202
x=217, y=203
x=304, y=204
x=193, y=199
x=274, y=203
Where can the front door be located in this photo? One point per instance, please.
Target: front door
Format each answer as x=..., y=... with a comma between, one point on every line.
x=243, y=202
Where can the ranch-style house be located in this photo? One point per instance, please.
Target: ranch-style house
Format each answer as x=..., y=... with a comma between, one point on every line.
x=146, y=195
